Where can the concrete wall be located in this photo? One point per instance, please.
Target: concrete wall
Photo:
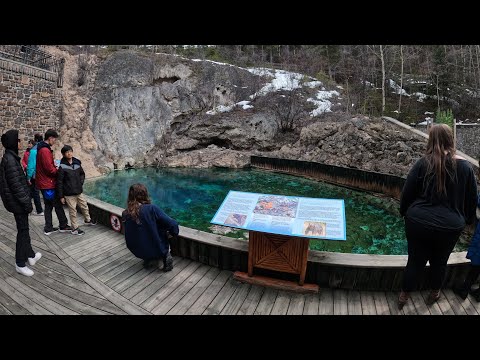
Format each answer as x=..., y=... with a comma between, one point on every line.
x=29, y=100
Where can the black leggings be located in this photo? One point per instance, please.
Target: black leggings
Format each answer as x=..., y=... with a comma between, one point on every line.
x=427, y=244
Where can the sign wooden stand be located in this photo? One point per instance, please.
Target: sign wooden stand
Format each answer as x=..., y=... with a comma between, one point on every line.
x=280, y=253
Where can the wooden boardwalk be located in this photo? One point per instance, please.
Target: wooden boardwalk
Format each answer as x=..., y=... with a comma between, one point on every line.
x=96, y=274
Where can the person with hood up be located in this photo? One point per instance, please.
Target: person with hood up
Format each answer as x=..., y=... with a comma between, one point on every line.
x=15, y=195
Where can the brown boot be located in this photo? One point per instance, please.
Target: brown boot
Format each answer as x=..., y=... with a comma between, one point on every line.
x=433, y=297
x=402, y=299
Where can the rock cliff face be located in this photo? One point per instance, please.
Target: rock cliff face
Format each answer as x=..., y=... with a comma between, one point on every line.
x=360, y=142
x=137, y=110
x=139, y=98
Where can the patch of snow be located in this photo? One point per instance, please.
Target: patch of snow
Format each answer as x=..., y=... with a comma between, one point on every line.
x=313, y=84
x=428, y=113
x=340, y=87
x=283, y=80
x=220, y=109
x=323, y=104
x=397, y=88
x=421, y=96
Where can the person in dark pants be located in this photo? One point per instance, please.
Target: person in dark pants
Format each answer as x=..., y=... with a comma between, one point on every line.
x=15, y=195
x=46, y=180
x=473, y=253
x=438, y=199
x=31, y=162
x=147, y=228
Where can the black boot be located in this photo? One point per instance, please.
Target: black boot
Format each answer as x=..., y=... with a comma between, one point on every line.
x=461, y=291
x=168, y=262
x=476, y=294
x=471, y=277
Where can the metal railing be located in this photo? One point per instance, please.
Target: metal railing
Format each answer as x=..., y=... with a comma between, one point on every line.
x=33, y=55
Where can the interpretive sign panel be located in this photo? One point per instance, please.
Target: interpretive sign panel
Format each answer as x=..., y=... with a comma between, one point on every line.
x=285, y=215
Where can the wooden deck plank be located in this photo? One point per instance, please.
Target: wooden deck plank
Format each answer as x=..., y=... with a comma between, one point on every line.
x=11, y=305
x=10, y=239
x=434, y=308
x=445, y=306
x=237, y=299
x=133, y=279
x=208, y=295
x=9, y=256
x=125, y=275
x=130, y=262
x=354, y=303
x=73, y=243
x=473, y=305
x=11, y=234
x=119, y=301
x=456, y=303
x=392, y=300
x=75, y=283
x=107, y=244
x=169, y=287
x=8, y=244
x=87, y=245
x=381, y=304
x=251, y=301
x=297, y=303
x=102, y=243
x=21, y=299
x=266, y=302
x=219, y=302
x=326, y=306
x=180, y=291
x=419, y=303
x=148, y=279
x=57, y=303
x=194, y=294
x=280, y=307
x=409, y=308
x=105, y=261
x=311, y=304
x=71, y=298
x=117, y=251
x=39, y=296
x=4, y=310
x=161, y=279
x=368, y=303
x=340, y=306
x=108, y=267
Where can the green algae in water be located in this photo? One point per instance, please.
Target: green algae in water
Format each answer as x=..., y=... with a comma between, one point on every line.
x=193, y=196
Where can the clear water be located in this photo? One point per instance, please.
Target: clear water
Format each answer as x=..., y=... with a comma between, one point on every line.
x=192, y=197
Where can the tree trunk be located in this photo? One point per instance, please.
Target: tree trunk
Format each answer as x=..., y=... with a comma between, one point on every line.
x=401, y=81
x=438, y=96
x=383, y=78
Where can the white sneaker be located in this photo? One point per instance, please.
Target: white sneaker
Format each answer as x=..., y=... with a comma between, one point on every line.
x=37, y=214
x=24, y=270
x=33, y=261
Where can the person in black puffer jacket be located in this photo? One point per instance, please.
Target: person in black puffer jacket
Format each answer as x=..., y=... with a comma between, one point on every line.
x=15, y=195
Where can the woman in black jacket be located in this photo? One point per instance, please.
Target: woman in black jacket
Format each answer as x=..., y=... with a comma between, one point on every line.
x=15, y=195
x=438, y=199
